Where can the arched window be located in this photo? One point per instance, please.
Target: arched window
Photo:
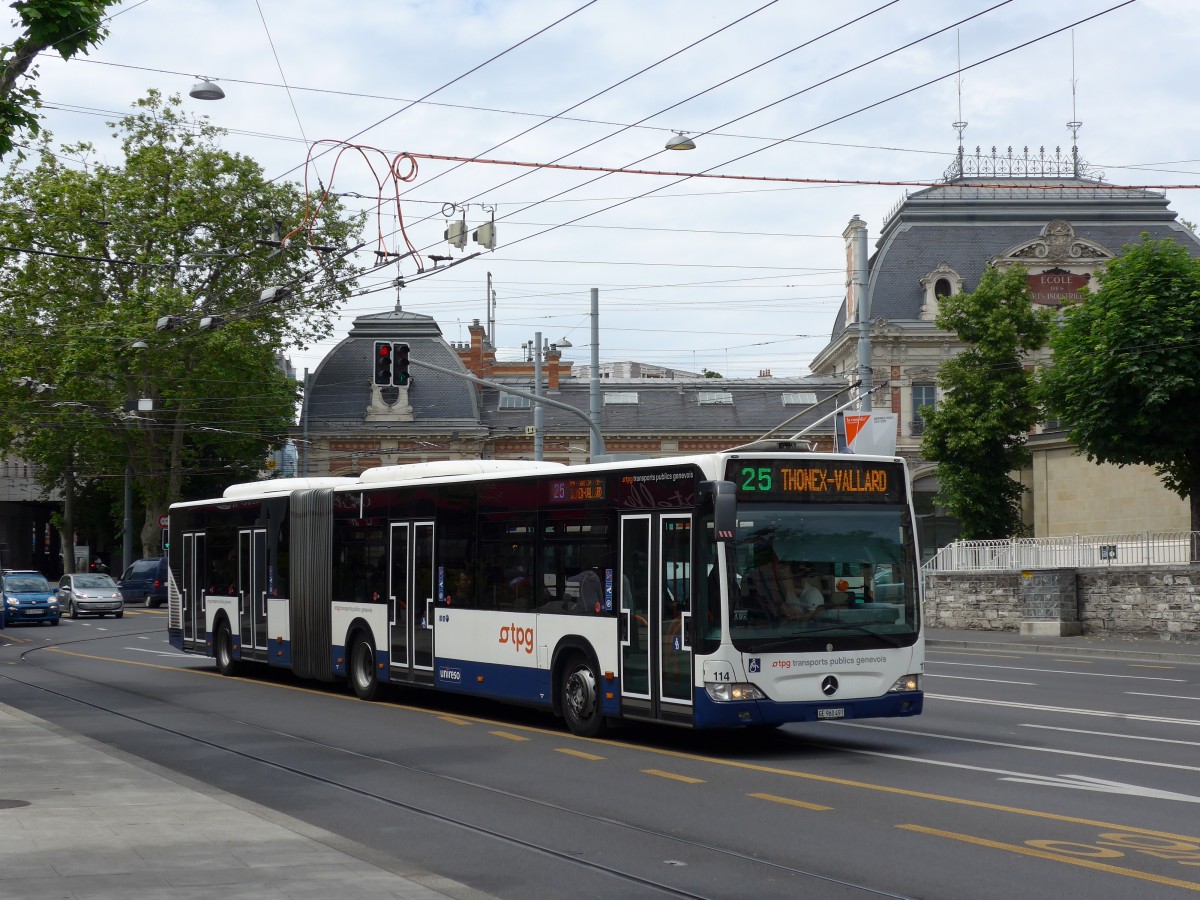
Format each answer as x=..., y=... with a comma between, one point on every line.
x=942, y=288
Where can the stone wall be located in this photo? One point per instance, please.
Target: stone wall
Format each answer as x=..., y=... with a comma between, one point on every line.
x=1162, y=602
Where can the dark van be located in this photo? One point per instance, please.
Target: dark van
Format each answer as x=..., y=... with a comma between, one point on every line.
x=145, y=579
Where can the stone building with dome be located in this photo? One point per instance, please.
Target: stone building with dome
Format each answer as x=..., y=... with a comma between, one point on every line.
x=348, y=423
x=1062, y=224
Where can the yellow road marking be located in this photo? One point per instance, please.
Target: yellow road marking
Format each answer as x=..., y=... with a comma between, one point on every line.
x=1142, y=666
x=1054, y=857
x=1078, y=662
x=455, y=720
x=789, y=802
x=508, y=736
x=686, y=779
x=579, y=753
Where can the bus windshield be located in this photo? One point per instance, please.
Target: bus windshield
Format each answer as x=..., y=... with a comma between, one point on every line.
x=804, y=576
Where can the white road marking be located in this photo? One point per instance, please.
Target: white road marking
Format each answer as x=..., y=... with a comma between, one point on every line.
x=1062, y=672
x=988, y=680
x=1016, y=704
x=1011, y=746
x=1131, y=737
x=1167, y=696
x=1079, y=782
x=1084, y=783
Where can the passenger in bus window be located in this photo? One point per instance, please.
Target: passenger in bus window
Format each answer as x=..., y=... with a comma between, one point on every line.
x=460, y=591
x=770, y=582
x=805, y=598
x=586, y=590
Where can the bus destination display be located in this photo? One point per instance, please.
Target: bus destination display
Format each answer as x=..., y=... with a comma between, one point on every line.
x=827, y=480
x=577, y=489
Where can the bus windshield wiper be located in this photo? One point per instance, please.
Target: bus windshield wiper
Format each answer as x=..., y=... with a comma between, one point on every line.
x=884, y=636
x=775, y=644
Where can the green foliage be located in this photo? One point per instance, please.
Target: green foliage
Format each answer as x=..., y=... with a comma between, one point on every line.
x=1127, y=366
x=66, y=26
x=107, y=251
x=977, y=433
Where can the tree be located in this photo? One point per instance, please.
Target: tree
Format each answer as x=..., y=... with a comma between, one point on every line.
x=977, y=433
x=65, y=26
x=106, y=252
x=1126, y=367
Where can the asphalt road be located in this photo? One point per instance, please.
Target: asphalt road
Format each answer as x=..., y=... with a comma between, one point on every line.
x=1028, y=775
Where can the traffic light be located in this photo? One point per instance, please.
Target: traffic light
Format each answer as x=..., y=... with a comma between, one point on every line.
x=383, y=362
x=401, y=375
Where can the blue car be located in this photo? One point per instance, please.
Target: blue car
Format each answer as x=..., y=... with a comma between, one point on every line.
x=28, y=597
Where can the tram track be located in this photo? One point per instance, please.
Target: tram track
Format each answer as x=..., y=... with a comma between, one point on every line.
x=772, y=869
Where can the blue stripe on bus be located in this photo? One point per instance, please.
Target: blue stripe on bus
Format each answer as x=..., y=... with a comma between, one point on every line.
x=279, y=653
x=710, y=714
x=519, y=684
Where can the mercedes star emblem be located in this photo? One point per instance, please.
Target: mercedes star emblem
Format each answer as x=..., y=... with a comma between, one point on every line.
x=829, y=686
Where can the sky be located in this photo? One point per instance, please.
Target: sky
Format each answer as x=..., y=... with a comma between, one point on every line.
x=795, y=100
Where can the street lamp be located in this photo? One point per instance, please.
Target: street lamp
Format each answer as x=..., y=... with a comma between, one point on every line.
x=681, y=142
x=206, y=89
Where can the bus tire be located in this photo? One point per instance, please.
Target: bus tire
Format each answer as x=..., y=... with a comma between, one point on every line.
x=581, y=697
x=364, y=677
x=223, y=649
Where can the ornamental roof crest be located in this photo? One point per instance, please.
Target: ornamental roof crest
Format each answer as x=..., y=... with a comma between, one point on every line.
x=1057, y=244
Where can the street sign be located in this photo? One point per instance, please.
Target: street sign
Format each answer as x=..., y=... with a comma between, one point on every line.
x=162, y=521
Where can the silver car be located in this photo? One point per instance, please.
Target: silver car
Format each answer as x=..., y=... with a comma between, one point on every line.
x=89, y=594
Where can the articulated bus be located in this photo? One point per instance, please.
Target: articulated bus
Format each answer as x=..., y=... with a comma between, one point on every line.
x=662, y=590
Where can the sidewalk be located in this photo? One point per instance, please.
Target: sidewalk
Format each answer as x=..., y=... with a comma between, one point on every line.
x=1118, y=647
x=83, y=820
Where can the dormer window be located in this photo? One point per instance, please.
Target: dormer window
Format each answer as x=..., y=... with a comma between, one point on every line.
x=941, y=282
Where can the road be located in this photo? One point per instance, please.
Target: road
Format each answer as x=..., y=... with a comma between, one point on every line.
x=1027, y=774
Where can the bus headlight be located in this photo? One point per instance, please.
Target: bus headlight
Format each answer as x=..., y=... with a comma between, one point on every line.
x=725, y=692
x=907, y=683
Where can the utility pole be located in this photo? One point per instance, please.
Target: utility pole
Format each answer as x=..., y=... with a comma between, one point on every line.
x=538, y=444
x=594, y=379
x=855, y=236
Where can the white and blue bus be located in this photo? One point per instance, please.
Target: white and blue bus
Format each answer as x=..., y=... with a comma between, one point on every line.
x=662, y=590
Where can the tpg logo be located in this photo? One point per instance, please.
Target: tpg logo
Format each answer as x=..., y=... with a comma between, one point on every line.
x=518, y=637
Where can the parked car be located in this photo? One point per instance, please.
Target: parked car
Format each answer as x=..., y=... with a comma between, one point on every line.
x=145, y=580
x=90, y=594
x=28, y=597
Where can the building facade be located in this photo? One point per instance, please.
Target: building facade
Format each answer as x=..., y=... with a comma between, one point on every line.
x=349, y=423
x=1048, y=215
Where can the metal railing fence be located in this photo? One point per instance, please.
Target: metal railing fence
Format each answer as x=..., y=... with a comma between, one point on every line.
x=1068, y=552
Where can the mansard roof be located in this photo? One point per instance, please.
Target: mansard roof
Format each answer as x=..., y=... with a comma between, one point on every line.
x=969, y=221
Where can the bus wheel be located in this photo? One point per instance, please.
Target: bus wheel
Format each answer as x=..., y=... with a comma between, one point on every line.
x=581, y=698
x=223, y=646
x=364, y=677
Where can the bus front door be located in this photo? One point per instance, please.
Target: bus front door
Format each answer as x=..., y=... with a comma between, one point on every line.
x=410, y=598
x=656, y=650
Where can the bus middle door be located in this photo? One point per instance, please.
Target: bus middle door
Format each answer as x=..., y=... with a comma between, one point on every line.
x=411, y=598
x=656, y=650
